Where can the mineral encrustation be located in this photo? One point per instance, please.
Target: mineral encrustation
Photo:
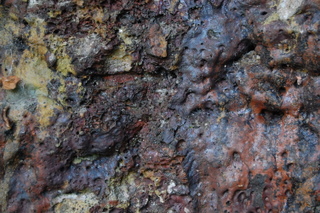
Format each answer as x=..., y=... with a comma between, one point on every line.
x=160, y=106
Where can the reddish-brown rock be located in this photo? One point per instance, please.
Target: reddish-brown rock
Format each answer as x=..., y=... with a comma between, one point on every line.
x=159, y=106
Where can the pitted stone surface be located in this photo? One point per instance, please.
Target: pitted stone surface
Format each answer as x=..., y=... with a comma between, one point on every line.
x=160, y=106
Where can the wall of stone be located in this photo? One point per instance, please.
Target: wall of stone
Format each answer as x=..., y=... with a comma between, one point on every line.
x=159, y=106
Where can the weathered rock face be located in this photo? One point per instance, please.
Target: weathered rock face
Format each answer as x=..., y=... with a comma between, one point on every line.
x=160, y=106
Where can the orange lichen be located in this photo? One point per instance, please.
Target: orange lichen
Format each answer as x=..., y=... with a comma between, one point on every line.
x=10, y=82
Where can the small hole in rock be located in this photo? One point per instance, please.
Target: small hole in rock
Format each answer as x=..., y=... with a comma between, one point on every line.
x=290, y=166
x=202, y=63
x=284, y=154
x=236, y=155
x=282, y=90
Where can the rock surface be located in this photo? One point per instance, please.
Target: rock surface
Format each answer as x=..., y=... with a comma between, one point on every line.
x=160, y=106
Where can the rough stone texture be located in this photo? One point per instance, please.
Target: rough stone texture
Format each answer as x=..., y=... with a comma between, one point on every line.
x=159, y=106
